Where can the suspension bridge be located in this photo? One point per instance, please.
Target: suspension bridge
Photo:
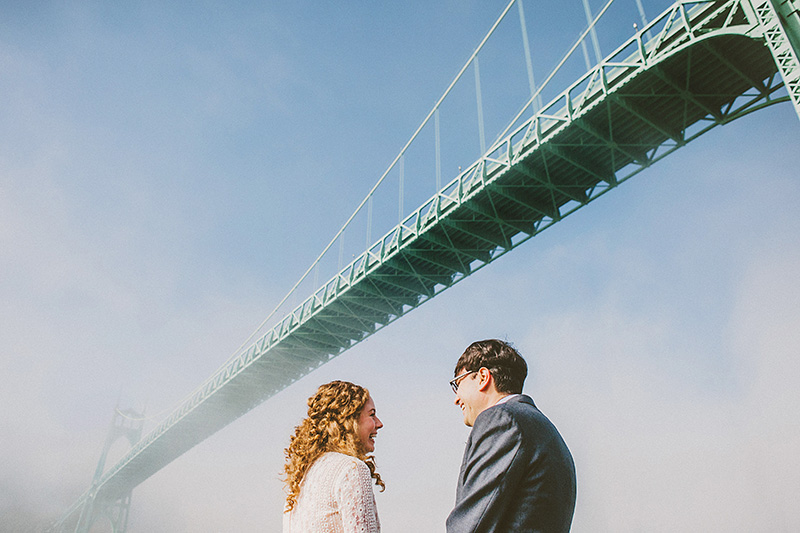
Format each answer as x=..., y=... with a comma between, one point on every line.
x=698, y=65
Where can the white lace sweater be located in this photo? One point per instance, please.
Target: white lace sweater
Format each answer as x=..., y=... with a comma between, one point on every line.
x=335, y=497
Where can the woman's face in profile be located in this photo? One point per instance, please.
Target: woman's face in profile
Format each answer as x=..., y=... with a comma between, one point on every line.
x=368, y=425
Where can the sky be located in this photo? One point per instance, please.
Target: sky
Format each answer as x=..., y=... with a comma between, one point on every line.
x=167, y=172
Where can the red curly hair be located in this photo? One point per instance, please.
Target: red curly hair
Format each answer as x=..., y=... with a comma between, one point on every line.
x=331, y=426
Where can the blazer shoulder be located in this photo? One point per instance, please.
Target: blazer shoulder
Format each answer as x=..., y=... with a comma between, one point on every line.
x=507, y=416
x=522, y=412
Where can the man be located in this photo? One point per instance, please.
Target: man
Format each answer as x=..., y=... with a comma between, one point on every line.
x=517, y=474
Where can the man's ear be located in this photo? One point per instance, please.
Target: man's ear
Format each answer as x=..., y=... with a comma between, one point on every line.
x=485, y=379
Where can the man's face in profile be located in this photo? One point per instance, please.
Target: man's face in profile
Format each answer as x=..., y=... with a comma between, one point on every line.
x=467, y=395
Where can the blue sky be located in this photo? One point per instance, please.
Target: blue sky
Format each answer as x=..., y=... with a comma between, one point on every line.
x=168, y=172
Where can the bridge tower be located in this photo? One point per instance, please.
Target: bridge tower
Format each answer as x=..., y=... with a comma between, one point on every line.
x=780, y=20
x=127, y=424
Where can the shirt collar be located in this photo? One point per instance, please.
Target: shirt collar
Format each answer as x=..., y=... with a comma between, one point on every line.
x=504, y=399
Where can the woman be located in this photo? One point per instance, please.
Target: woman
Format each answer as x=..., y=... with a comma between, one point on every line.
x=328, y=472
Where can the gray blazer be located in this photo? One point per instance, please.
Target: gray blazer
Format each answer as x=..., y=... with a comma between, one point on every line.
x=517, y=474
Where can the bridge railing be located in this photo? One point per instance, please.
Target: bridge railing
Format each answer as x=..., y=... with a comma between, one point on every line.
x=652, y=40
x=361, y=225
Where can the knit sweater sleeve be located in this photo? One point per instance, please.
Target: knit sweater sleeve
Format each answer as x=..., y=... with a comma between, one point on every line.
x=353, y=492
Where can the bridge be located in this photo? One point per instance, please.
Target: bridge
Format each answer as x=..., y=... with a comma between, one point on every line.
x=696, y=66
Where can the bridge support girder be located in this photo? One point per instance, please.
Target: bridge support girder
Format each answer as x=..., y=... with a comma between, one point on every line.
x=780, y=20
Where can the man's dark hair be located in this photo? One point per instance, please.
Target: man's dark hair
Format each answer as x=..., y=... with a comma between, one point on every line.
x=506, y=365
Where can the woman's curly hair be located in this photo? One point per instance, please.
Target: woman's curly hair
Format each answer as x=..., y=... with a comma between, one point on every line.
x=331, y=426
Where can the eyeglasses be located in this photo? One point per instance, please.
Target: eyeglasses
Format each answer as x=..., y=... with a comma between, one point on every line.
x=456, y=380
